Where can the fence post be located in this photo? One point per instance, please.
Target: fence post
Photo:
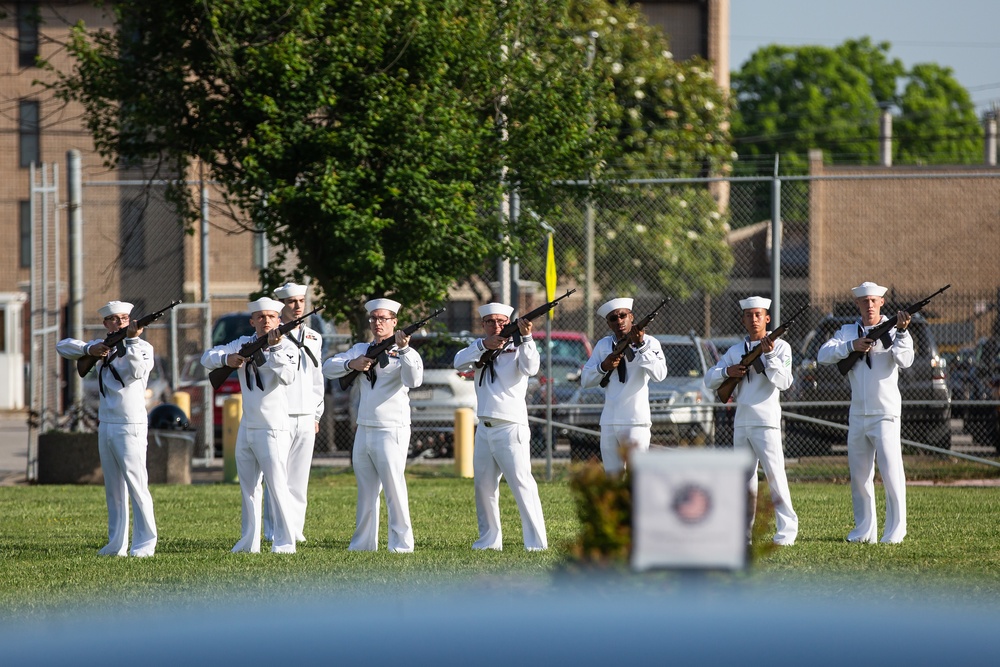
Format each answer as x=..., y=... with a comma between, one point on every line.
x=776, y=245
x=463, y=441
x=232, y=412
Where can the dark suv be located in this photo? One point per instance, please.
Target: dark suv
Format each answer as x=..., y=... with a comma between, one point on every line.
x=982, y=422
x=923, y=387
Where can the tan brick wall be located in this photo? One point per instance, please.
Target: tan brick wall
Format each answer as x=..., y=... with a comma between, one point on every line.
x=911, y=233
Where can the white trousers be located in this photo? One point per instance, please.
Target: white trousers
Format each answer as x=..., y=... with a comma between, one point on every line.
x=615, y=436
x=764, y=443
x=503, y=450
x=122, y=448
x=379, y=460
x=299, y=463
x=871, y=438
x=262, y=454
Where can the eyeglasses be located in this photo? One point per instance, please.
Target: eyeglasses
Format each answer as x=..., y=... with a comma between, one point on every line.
x=614, y=317
x=499, y=323
x=379, y=320
x=120, y=319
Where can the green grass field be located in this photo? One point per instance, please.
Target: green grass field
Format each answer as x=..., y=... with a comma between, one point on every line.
x=49, y=537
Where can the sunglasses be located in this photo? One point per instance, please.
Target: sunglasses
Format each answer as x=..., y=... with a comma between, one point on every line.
x=614, y=317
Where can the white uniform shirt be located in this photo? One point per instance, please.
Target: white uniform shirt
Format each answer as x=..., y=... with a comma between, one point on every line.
x=756, y=396
x=626, y=402
x=119, y=404
x=268, y=408
x=388, y=402
x=875, y=390
x=305, y=393
x=503, y=397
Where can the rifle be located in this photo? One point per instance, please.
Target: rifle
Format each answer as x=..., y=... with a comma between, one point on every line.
x=725, y=391
x=254, y=352
x=882, y=332
x=117, y=339
x=511, y=328
x=623, y=346
x=376, y=349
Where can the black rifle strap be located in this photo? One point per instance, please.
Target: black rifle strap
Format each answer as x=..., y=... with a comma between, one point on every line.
x=106, y=363
x=300, y=343
x=868, y=356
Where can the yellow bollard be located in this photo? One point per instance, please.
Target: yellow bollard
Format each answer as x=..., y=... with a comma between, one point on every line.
x=464, y=439
x=182, y=399
x=232, y=413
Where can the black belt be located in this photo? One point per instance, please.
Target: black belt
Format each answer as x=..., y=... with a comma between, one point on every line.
x=487, y=424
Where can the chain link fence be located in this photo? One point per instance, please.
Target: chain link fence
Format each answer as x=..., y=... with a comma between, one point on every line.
x=706, y=243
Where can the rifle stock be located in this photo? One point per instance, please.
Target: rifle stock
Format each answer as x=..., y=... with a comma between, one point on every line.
x=728, y=386
x=621, y=345
x=113, y=339
x=511, y=328
x=255, y=350
x=373, y=351
x=847, y=363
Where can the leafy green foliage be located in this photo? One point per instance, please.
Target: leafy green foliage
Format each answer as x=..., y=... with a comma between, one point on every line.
x=374, y=138
x=791, y=99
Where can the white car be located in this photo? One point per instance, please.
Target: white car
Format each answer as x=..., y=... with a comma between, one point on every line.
x=444, y=390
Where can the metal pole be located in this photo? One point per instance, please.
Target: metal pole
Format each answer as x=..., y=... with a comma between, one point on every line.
x=885, y=137
x=990, y=145
x=588, y=286
x=207, y=394
x=776, y=245
x=515, y=266
x=548, y=397
x=75, y=190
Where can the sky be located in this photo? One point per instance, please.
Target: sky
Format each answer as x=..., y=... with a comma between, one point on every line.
x=961, y=34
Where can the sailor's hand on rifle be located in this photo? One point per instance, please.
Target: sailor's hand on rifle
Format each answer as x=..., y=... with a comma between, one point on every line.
x=402, y=340
x=494, y=342
x=235, y=360
x=524, y=326
x=611, y=362
x=273, y=337
x=766, y=345
x=902, y=320
x=134, y=330
x=736, y=371
x=637, y=336
x=863, y=344
x=360, y=364
x=98, y=350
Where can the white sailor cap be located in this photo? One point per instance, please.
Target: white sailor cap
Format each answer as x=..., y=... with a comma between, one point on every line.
x=288, y=290
x=265, y=303
x=755, y=302
x=868, y=289
x=383, y=304
x=495, y=309
x=613, y=305
x=115, y=308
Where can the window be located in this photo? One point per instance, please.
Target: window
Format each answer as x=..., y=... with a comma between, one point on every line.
x=27, y=33
x=133, y=233
x=25, y=235
x=260, y=250
x=29, y=134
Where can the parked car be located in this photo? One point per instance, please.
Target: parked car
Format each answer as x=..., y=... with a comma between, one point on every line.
x=961, y=380
x=444, y=390
x=983, y=422
x=675, y=402
x=564, y=380
x=924, y=380
x=157, y=388
x=563, y=344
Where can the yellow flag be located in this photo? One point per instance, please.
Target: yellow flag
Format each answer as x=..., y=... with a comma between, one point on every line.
x=550, y=274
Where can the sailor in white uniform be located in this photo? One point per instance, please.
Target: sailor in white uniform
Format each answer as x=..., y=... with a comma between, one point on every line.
x=264, y=437
x=626, y=419
x=305, y=407
x=757, y=425
x=876, y=408
x=121, y=437
x=383, y=436
x=502, y=445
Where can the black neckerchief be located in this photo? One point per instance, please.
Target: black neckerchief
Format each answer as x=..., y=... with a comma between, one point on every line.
x=628, y=354
x=106, y=364
x=300, y=343
x=382, y=359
